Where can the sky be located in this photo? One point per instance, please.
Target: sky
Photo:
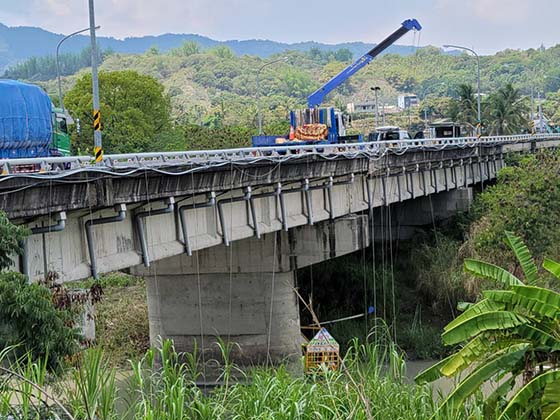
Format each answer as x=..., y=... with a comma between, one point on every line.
x=485, y=25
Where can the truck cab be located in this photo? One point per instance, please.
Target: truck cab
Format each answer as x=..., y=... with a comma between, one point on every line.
x=61, y=138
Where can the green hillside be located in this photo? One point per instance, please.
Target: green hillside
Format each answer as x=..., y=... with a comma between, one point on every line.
x=216, y=89
x=218, y=82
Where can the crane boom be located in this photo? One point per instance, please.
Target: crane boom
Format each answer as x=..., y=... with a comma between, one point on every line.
x=318, y=96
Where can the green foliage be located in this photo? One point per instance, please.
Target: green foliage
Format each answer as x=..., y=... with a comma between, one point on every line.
x=44, y=68
x=522, y=201
x=223, y=52
x=96, y=392
x=29, y=317
x=134, y=110
x=507, y=111
x=372, y=382
x=187, y=48
x=509, y=333
x=465, y=107
x=11, y=237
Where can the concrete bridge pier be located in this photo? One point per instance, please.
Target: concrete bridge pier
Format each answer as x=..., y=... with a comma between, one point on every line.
x=244, y=293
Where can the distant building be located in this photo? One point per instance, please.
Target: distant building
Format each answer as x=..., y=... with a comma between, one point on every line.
x=407, y=101
x=369, y=108
x=361, y=107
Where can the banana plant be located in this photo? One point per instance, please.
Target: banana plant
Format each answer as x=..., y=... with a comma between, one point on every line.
x=509, y=344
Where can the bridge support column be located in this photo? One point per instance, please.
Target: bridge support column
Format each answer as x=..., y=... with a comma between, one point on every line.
x=195, y=310
x=243, y=293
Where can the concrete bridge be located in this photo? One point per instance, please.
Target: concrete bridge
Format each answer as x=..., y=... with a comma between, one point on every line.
x=218, y=235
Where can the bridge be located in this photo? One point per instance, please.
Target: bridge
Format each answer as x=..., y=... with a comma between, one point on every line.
x=219, y=234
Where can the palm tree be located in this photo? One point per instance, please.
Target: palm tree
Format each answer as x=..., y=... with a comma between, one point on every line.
x=463, y=109
x=509, y=337
x=507, y=111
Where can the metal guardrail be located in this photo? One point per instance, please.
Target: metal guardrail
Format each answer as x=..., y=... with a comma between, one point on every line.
x=221, y=156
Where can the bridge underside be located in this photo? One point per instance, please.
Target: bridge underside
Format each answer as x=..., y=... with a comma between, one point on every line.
x=103, y=240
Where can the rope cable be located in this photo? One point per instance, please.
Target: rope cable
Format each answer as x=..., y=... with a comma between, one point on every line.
x=199, y=287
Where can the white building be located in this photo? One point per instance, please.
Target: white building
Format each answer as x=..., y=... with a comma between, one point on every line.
x=407, y=100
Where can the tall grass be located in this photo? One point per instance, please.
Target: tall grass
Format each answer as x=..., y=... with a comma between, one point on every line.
x=371, y=384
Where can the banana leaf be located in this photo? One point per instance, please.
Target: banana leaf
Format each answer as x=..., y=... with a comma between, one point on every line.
x=555, y=415
x=551, y=399
x=505, y=360
x=552, y=267
x=541, y=340
x=433, y=373
x=496, y=320
x=485, y=305
x=522, y=398
x=491, y=271
x=532, y=299
x=476, y=349
x=524, y=257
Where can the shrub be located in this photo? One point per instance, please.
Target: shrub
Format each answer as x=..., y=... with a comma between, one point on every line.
x=29, y=317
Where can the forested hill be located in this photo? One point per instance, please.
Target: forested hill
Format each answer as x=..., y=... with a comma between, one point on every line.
x=20, y=43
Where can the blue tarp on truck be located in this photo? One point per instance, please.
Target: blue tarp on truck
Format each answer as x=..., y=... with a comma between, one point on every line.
x=25, y=120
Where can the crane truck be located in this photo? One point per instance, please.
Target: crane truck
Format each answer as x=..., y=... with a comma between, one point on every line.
x=30, y=125
x=316, y=125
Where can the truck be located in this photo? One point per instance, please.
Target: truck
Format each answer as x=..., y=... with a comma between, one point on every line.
x=30, y=125
x=387, y=133
x=316, y=125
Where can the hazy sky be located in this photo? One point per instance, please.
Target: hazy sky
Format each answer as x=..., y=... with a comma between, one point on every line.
x=486, y=25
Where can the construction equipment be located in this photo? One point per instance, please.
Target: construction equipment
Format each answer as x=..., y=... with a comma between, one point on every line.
x=327, y=124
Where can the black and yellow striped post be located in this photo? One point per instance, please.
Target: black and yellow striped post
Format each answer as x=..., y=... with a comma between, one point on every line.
x=98, y=150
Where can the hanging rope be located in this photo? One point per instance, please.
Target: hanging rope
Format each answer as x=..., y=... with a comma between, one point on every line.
x=198, y=283
x=230, y=254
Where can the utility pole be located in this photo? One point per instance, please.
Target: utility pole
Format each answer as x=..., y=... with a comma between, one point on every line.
x=541, y=121
x=97, y=142
x=376, y=89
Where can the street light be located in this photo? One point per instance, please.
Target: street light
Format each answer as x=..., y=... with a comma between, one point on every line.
x=58, y=65
x=376, y=89
x=258, y=88
x=458, y=47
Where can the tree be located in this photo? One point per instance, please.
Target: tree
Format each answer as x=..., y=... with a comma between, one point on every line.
x=466, y=106
x=186, y=49
x=511, y=335
x=507, y=111
x=223, y=52
x=134, y=110
x=28, y=316
x=524, y=198
x=343, y=54
x=11, y=237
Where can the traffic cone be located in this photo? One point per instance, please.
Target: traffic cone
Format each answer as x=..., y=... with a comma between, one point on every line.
x=292, y=133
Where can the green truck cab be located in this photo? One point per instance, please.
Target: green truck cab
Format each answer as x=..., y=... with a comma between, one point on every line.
x=60, y=138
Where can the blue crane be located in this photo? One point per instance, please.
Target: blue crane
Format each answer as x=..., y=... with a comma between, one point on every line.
x=317, y=97
x=329, y=121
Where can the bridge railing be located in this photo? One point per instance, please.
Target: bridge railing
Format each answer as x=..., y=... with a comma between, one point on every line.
x=251, y=154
